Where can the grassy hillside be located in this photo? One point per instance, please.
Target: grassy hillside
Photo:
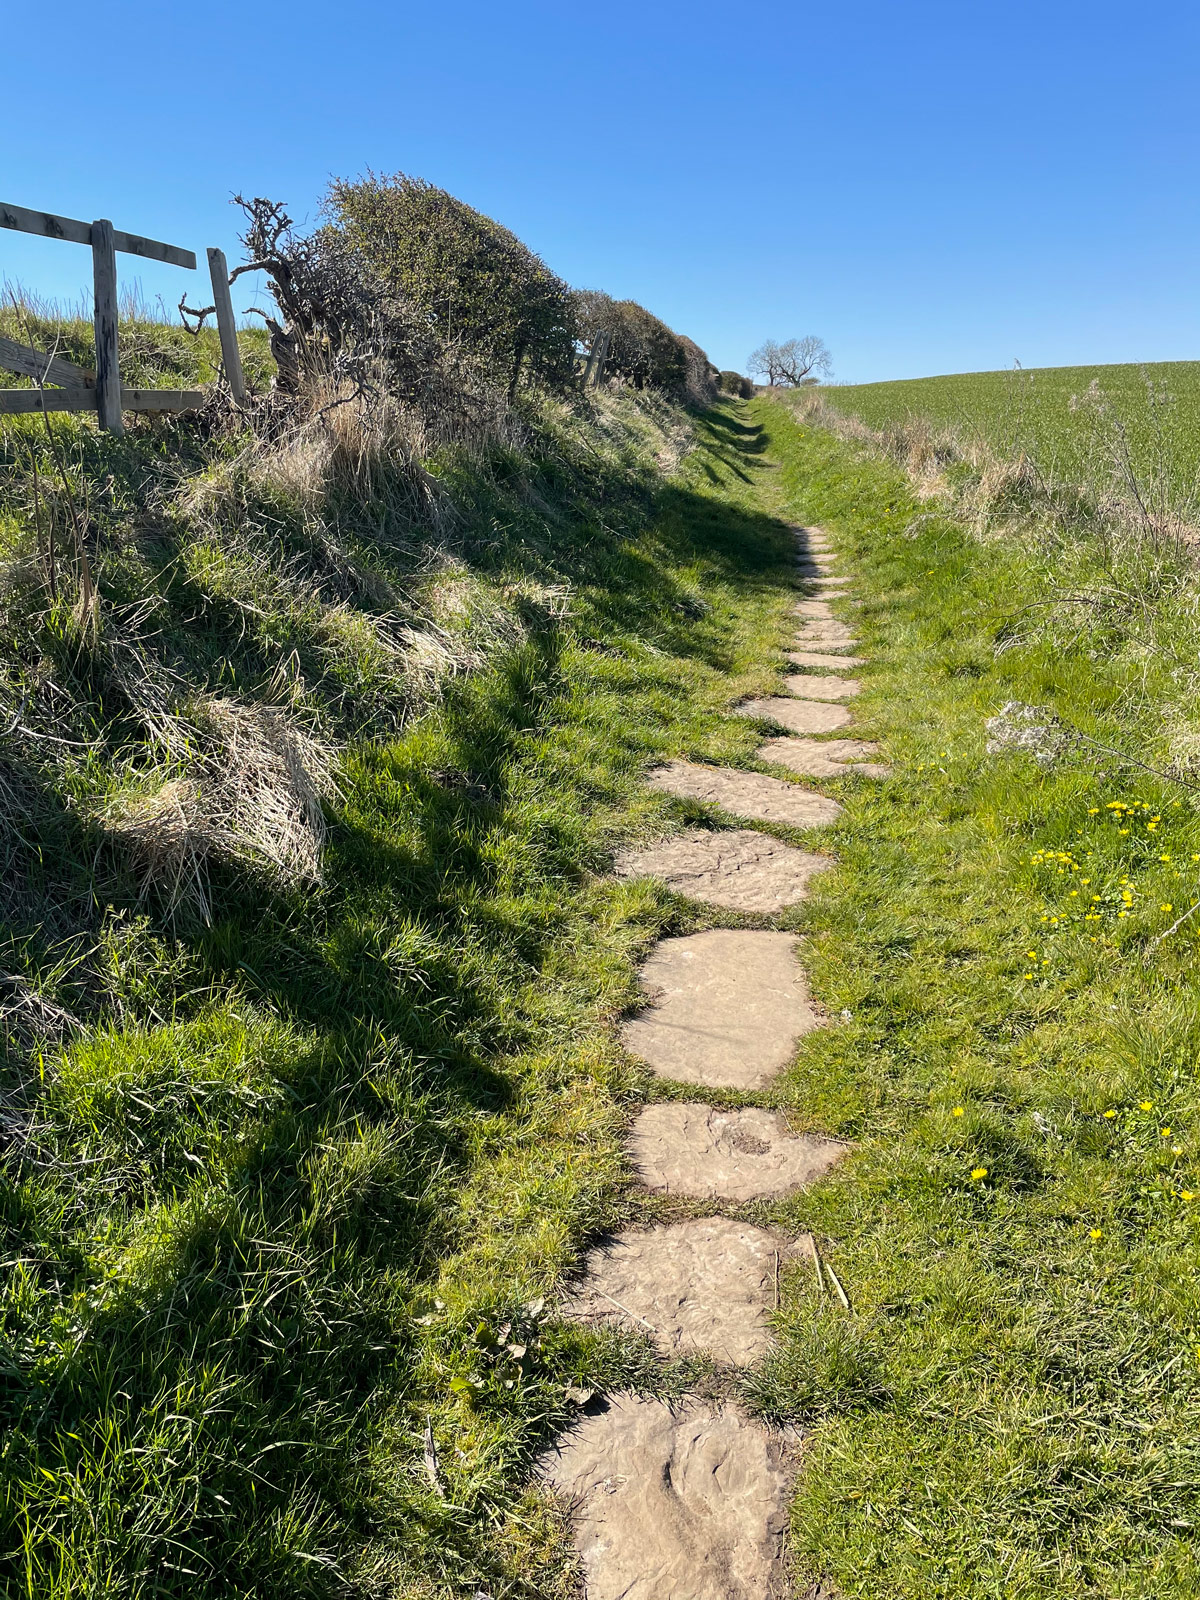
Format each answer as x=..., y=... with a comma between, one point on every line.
x=1064, y=418
x=309, y=1093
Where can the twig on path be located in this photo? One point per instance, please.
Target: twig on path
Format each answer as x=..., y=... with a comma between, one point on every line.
x=838, y=1290
x=627, y=1311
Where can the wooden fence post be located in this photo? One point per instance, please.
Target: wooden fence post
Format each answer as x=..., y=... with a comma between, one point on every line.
x=108, y=368
x=230, y=354
x=599, y=357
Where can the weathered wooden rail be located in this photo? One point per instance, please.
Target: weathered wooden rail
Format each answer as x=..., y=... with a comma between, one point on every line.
x=62, y=386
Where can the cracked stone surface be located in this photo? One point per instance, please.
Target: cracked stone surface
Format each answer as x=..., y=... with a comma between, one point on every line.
x=746, y=794
x=802, y=716
x=824, y=758
x=741, y=870
x=746, y=1154
x=683, y=1502
x=808, y=686
x=725, y=1008
x=821, y=658
x=701, y=1287
x=816, y=610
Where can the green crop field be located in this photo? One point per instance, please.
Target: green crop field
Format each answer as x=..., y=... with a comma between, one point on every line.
x=1047, y=414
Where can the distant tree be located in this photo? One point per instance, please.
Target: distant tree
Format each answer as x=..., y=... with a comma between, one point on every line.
x=792, y=362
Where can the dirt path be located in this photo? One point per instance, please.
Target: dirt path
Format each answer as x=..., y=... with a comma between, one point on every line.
x=689, y=1502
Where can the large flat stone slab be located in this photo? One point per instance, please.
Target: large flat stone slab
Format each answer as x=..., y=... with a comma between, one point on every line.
x=725, y=1008
x=824, y=758
x=802, y=716
x=701, y=1287
x=746, y=1154
x=746, y=794
x=809, y=686
x=675, y=1503
x=825, y=636
x=824, y=658
x=738, y=869
x=816, y=610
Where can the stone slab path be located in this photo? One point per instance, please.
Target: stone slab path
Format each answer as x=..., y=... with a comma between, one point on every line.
x=701, y=1287
x=822, y=658
x=825, y=635
x=675, y=1503
x=808, y=686
x=824, y=758
x=709, y=1154
x=802, y=716
x=690, y=1502
x=740, y=870
x=725, y=1008
x=746, y=794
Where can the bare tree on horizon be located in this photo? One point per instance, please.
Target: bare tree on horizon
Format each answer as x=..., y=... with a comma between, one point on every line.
x=791, y=363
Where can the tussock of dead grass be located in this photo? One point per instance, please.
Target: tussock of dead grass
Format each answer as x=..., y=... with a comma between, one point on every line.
x=252, y=792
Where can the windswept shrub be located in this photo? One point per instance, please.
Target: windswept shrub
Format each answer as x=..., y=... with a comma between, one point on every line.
x=733, y=383
x=472, y=281
x=643, y=350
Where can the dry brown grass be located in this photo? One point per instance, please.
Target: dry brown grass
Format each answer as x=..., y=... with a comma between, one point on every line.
x=250, y=791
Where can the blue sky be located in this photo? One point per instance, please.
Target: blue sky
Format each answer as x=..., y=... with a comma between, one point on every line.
x=931, y=187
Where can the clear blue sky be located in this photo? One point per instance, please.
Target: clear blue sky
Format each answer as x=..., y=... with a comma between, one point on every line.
x=932, y=187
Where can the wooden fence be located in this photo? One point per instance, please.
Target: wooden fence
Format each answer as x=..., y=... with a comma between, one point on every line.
x=61, y=386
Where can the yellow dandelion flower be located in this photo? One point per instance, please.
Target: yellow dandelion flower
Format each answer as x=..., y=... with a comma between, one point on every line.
x=982, y=1172
x=1145, y=1105
x=1110, y=1114
x=1166, y=1132
x=1166, y=906
x=1187, y=1194
x=957, y=1112
x=1097, y=1233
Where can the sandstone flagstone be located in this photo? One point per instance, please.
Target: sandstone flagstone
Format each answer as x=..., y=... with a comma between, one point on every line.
x=724, y=1008
x=738, y=869
x=809, y=686
x=746, y=794
x=802, y=716
x=701, y=1287
x=826, y=635
x=819, y=658
x=684, y=1502
x=818, y=610
x=743, y=1154
x=824, y=758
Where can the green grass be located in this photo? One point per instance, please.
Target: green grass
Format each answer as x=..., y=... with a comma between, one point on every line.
x=1012, y=1408
x=270, y=1207
x=1037, y=412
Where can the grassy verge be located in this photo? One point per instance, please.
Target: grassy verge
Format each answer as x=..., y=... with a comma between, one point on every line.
x=1060, y=417
x=1013, y=1406
x=281, y=1208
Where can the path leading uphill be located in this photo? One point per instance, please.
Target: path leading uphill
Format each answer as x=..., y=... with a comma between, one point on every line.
x=689, y=1502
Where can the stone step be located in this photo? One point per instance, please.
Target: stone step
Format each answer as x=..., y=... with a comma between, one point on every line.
x=746, y=794
x=724, y=1008
x=815, y=610
x=825, y=635
x=686, y=1502
x=802, y=716
x=824, y=758
x=819, y=658
x=737, y=869
x=808, y=686
x=701, y=1287
x=710, y=1154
